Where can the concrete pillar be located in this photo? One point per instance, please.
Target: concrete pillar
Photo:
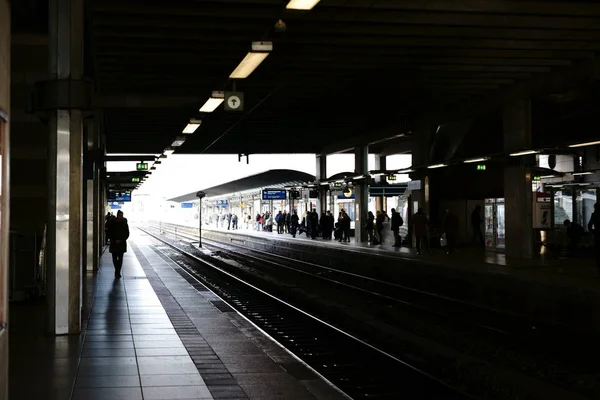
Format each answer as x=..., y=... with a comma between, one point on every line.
x=517, y=181
x=361, y=191
x=5, y=42
x=91, y=193
x=421, y=147
x=380, y=164
x=65, y=239
x=321, y=175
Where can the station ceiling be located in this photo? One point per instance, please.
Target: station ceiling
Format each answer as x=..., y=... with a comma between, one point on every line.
x=347, y=69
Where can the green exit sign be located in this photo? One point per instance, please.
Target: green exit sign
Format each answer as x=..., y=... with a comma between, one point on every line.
x=135, y=180
x=481, y=167
x=536, y=178
x=337, y=185
x=391, y=177
x=142, y=166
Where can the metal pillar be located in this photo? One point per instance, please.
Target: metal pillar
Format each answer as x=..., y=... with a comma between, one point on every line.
x=361, y=201
x=517, y=181
x=321, y=175
x=65, y=240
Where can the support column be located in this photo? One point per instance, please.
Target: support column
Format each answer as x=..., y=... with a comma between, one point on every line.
x=361, y=190
x=380, y=164
x=65, y=239
x=91, y=203
x=321, y=175
x=421, y=148
x=517, y=181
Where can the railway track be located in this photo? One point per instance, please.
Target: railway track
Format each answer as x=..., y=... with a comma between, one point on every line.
x=528, y=344
x=356, y=367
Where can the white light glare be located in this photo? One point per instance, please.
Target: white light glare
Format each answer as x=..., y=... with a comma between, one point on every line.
x=358, y=177
x=585, y=144
x=437, y=166
x=168, y=151
x=524, y=153
x=248, y=65
x=302, y=4
x=476, y=160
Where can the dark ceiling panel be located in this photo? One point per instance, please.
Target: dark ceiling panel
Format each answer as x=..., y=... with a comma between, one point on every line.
x=342, y=70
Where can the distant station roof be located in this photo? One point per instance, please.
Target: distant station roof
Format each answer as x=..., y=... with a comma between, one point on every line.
x=271, y=178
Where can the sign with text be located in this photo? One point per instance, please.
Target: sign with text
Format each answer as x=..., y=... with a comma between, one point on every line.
x=119, y=196
x=142, y=166
x=273, y=194
x=187, y=205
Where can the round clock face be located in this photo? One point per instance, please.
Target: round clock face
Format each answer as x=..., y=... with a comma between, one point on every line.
x=234, y=102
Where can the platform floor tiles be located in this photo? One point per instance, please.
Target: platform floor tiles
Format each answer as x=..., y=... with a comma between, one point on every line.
x=158, y=334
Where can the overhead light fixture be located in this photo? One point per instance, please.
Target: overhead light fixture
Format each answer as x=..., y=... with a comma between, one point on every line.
x=324, y=183
x=157, y=162
x=380, y=174
x=153, y=168
x=547, y=176
x=358, y=177
x=163, y=156
x=582, y=173
x=437, y=166
x=179, y=140
x=405, y=171
x=473, y=160
x=524, y=153
x=258, y=53
x=585, y=144
x=192, y=126
x=213, y=102
x=168, y=151
x=302, y=4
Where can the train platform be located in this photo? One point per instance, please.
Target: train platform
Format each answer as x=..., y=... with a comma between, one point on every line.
x=154, y=335
x=562, y=291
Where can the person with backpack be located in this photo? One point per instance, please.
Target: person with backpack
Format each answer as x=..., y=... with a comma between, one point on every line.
x=397, y=222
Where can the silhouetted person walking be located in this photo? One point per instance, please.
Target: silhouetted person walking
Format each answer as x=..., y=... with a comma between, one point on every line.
x=595, y=223
x=118, y=233
x=476, y=225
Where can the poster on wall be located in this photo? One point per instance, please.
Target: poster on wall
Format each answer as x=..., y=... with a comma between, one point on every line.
x=542, y=211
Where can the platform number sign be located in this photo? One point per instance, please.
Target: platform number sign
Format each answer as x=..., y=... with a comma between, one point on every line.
x=141, y=166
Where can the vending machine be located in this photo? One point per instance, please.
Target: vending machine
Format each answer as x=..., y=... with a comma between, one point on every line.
x=494, y=224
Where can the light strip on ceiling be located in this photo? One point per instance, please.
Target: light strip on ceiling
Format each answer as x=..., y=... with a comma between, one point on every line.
x=260, y=51
x=473, y=160
x=582, y=173
x=524, y=153
x=585, y=144
x=192, y=126
x=437, y=166
x=168, y=151
x=302, y=4
x=179, y=140
x=213, y=102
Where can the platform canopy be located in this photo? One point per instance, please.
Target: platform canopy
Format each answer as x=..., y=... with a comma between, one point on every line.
x=270, y=179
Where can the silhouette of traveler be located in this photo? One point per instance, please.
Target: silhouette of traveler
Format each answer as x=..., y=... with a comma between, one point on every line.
x=118, y=233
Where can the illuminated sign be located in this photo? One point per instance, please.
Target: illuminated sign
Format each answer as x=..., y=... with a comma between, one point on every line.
x=141, y=166
x=536, y=178
x=338, y=185
x=119, y=196
x=391, y=177
x=481, y=167
x=135, y=180
x=273, y=194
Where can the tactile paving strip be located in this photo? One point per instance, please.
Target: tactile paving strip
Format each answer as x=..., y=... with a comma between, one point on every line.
x=219, y=381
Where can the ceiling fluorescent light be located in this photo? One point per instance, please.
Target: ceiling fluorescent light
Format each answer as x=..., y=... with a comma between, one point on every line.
x=380, y=174
x=168, y=151
x=524, y=153
x=472, y=160
x=302, y=4
x=405, y=171
x=582, y=173
x=179, y=140
x=358, y=177
x=547, y=176
x=437, y=166
x=192, y=126
x=260, y=51
x=213, y=102
x=324, y=183
x=585, y=144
